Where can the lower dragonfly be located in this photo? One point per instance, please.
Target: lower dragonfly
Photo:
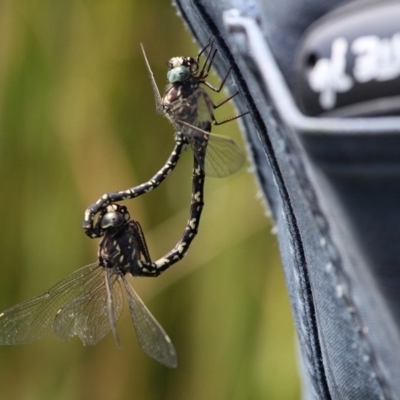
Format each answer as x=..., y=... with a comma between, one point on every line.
x=88, y=303
x=190, y=109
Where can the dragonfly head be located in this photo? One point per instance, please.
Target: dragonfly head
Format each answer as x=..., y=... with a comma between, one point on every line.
x=181, y=69
x=114, y=217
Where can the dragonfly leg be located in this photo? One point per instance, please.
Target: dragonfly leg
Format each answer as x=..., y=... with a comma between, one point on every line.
x=209, y=59
x=213, y=88
x=226, y=100
x=224, y=121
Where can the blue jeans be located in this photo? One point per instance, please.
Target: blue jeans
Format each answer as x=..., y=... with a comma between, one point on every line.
x=333, y=186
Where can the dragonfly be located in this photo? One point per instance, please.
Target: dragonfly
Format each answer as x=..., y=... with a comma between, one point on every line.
x=89, y=302
x=191, y=110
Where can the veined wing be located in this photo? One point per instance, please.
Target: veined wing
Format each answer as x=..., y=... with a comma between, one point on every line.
x=152, y=338
x=204, y=110
x=156, y=92
x=194, y=109
x=93, y=314
x=223, y=156
x=34, y=319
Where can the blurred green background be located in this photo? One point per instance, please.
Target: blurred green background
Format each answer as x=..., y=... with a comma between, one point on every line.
x=77, y=119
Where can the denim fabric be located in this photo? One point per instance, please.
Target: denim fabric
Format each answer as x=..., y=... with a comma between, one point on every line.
x=333, y=188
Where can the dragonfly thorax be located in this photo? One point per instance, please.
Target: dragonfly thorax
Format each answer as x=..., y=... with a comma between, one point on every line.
x=121, y=246
x=187, y=102
x=119, y=250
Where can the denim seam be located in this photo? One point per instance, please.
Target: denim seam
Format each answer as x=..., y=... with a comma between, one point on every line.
x=335, y=266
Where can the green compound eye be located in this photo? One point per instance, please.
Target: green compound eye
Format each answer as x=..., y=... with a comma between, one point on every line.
x=178, y=74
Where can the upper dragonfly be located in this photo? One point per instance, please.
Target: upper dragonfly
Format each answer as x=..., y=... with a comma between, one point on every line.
x=190, y=109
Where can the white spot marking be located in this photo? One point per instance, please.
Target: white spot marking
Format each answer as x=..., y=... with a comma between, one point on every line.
x=161, y=262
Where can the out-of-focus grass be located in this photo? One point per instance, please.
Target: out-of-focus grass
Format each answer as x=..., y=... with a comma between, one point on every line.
x=77, y=119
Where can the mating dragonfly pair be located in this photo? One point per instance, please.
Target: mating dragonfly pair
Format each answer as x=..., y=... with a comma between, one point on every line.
x=89, y=302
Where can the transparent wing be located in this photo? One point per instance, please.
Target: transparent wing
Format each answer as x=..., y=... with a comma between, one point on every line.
x=152, y=338
x=34, y=319
x=115, y=302
x=156, y=92
x=93, y=314
x=204, y=111
x=223, y=156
